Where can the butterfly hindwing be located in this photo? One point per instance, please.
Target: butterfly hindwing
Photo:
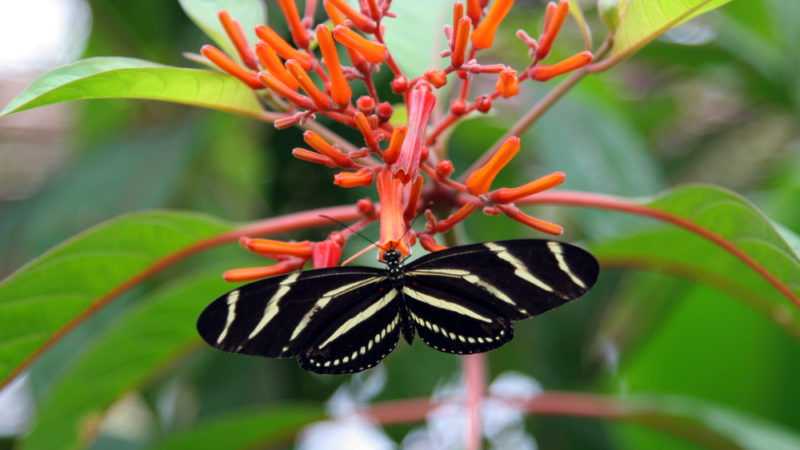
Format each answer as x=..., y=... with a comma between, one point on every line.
x=281, y=316
x=366, y=331
x=450, y=322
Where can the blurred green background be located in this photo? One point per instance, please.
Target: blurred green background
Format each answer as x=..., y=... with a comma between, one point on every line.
x=715, y=101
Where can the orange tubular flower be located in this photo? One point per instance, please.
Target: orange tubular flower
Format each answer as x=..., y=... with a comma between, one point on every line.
x=507, y=84
x=390, y=191
x=299, y=34
x=508, y=195
x=460, y=42
x=321, y=100
x=456, y=218
x=429, y=244
x=363, y=177
x=544, y=73
x=359, y=20
x=327, y=253
x=274, y=66
x=474, y=11
x=317, y=143
x=366, y=130
x=480, y=180
x=313, y=157
x=437, y=78
x=483, y=36
x=395, y=144
x=234, y=31
x=282, y=47
x=334, y=13
x=536, y=224
x=552, y=25
x=338, y=18
x=284, y=91
x=271, y=247
x=225, y=63
x=340, y=90
x=420, y=104
x=413, y=198
x=458, y=13
x=374, y=52
x=254, y=273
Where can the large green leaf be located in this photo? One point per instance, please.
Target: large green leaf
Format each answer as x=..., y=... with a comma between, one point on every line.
x=734, y=219
x=56, y=288
x=644, y=20
x=203, y=13
x=245, y=429
x=132, y=350
x=117, y=77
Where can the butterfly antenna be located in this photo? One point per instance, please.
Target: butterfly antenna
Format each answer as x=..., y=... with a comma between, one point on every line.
x=350, y=228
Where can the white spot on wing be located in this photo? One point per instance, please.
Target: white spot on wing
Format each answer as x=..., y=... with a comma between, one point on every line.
x=558, y=252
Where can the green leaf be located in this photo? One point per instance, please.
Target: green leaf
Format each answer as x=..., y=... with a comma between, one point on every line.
x=711, y=425
x=687, y=254
x=203, y=13
x=44, y=296
x=134, y=349
x=415, y=38
x=117, y=77
x=245, y=429
x=644, y=20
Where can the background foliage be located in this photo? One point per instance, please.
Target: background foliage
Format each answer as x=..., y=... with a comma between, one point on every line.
x=674, y=323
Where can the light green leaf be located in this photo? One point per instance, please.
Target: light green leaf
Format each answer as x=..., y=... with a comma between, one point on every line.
x=245, y=429
x=117, y=77
x=56, y=288
x=712, y=426
x=644, y=20
x=249, y=13
x=133, y=350
x=733, y=218
x=415, y=37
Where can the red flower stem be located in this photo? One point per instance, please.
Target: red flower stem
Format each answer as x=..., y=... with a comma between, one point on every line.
x=618, y=204
x=474, y=369
x=276, y=225
x=547, y=403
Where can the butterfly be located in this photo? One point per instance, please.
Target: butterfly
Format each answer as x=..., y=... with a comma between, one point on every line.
x=460, y=300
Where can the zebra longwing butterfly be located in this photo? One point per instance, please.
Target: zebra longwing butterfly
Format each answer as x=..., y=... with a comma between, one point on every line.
x=346, y=319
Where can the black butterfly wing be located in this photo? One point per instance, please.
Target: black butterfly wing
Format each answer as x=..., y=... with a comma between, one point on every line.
x=366, y=333
x=475, y=291
x=286, y=316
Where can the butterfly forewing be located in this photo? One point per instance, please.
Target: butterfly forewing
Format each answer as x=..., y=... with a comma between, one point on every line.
x=281, y=316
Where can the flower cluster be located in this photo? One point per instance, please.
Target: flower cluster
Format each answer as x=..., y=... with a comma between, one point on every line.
x=304, y=81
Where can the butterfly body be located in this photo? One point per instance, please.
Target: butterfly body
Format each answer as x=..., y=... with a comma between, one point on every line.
x=346, y=319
